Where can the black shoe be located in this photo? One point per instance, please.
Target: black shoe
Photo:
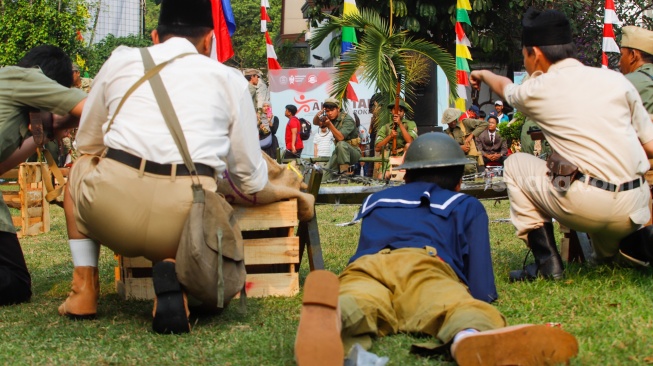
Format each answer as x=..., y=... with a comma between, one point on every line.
x=170, y=307
x=638, y=246
x=548, y=263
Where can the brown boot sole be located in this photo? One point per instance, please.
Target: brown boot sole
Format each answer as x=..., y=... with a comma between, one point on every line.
x=318, y=335
x=523, y=345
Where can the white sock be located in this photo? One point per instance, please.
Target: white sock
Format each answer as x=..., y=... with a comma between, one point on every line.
x=85, y=252
x=464, y=333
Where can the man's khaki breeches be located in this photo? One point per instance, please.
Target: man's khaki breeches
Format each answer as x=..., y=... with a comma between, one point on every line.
x=606, y=216
x=133, y=213
x=408, y=290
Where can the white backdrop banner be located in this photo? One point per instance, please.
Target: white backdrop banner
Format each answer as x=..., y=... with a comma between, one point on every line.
x=307, y=88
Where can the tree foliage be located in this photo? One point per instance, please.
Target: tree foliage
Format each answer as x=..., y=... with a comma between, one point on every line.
x=100, y=52
x=495, y=33
x=25, y=24
x=384, y=55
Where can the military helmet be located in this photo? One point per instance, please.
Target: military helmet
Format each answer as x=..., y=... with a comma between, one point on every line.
x=433, y=150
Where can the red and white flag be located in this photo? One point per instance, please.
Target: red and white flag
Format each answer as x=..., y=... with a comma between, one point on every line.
x=609, y=43
x=273, y=64
x=264, y=15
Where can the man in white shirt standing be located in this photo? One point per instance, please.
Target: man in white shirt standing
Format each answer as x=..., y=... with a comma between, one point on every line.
x=136, y=199
x=498, y=112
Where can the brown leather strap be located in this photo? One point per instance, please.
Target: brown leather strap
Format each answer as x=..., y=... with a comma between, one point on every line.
x=51, y=169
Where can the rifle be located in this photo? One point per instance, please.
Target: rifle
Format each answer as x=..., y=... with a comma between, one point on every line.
x=395, y=110
x=535, y=133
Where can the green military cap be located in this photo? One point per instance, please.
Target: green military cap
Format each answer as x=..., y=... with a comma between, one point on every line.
x=637, y=38
x=450, y=115
x=250, y=72
x=402, y=104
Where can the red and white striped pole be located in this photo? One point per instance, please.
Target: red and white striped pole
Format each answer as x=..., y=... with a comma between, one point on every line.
x=273, y=64
x=609, y=43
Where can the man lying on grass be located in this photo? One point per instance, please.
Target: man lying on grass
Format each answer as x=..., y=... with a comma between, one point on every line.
x=422, y=265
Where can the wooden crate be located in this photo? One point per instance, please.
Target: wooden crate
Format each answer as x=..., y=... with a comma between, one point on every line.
x=28, y=196
x=271, y=255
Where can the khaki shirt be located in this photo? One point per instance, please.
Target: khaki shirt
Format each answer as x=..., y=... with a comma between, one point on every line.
x=642, y=79
x=592, y=117
x=20, y=90
x=472, y=125
x=384, y=131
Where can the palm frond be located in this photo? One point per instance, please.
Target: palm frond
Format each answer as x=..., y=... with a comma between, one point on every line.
x=384, y=57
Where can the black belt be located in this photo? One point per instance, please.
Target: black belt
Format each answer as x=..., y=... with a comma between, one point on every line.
x=156, y=168
x=609, y=186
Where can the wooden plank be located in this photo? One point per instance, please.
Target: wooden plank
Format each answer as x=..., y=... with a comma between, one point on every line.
x=272, y=251
x=33, y=229
x=272, y=284
x=278, y=214
x=35, y=212
x=135, y=288
x=136, y=262
x=45, y=213
x=258, y=285
x=17, y=220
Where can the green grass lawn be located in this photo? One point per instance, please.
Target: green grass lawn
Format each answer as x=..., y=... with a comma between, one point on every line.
x=609, y=310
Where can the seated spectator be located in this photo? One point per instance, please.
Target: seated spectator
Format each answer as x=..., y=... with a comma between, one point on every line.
x=422, y=266
x=491, y=145
x=473, y=112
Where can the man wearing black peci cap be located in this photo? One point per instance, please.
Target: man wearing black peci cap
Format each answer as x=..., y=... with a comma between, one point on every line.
x=131, y=190
x=595, y=184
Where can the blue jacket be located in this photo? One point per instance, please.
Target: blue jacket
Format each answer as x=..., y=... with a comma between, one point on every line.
x=422, y=214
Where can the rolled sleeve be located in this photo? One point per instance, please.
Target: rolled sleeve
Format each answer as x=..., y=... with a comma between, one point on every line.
x=641, y=120
x=245, y=161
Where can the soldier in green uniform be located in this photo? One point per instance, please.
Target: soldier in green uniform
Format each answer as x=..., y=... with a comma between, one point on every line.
x=636, y=62
x=405, y=132
x=41, y=80
x=80, y=82
x=345, y=134
x=464, y=134
x=252, y=76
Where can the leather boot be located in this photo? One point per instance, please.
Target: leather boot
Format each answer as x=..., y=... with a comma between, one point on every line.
x=638, y=246
x=170, y=304
x=548, y=263
x=83, y=297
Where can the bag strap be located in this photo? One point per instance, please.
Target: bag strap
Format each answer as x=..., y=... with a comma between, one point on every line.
x=168, y=111
x=149, y=73
x=647, y=74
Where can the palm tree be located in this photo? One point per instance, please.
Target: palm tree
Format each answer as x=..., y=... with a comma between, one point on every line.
x=384, y=56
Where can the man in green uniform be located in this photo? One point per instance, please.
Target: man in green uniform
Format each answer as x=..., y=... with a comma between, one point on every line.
x=403, y=130
x=252, y=77
x=636, y=62
x=345, y=134
x=464, y=134
x=41, y=80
